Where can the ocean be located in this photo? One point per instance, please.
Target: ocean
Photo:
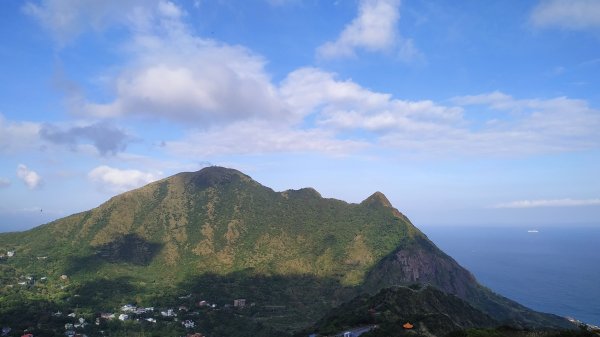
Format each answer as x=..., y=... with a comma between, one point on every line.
x=555, y=270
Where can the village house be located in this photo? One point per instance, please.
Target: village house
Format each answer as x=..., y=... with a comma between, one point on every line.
x=168, y=313
x=128, y=308
x=239, y=303
x=140, y=311
x=188, y=324
x=82, y=324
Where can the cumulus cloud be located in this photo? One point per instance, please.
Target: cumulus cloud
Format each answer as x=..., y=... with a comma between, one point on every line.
x=174, y=74
x=228, y=103
x=338, y=116
x=4, y=182
x=335, y=107
x=216, y=84
x=549, y=203
x=117, y=180
x=375, y=30
x=567, y=14
x=343, y=104
x=29, y=177
x=107, y=138
x=17, y=136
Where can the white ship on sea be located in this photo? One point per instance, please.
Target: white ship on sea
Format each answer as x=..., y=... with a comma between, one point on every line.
x=533, y=231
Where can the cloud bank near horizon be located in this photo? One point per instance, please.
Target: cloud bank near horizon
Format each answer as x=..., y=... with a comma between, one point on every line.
x=567, y=202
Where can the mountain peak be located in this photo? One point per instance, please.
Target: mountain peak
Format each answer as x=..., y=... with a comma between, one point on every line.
x=377, y=199
x=304, y=193
x=218, y=170
x=212, y=176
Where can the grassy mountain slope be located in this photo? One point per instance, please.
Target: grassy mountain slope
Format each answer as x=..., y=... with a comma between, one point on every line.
x=428, y=309
x=218, y=221
x=213, y=230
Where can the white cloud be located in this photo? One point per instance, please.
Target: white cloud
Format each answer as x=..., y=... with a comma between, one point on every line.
x=117, y=180
x=227, y=101
x=173, y=74
x=343, y=104
x=29, y=177
x=4, y=182
x=496, y=100
x=375, y=30
x=261, y=137
x=568, y=14
x=408, y=52
x=549, y=203
x=527, y=126
x=17, y=136
x=306, y=89
x=67, y=19
x=169, y=9
x=335, y=107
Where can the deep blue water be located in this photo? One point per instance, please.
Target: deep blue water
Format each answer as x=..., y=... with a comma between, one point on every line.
x=556, y=270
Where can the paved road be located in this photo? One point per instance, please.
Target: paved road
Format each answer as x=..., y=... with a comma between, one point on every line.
x=357, y=331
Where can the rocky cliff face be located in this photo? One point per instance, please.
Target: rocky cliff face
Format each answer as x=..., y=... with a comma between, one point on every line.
x=421, y=262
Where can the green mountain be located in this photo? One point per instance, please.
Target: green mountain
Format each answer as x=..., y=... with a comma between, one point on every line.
x=428, y=309
x=220, y=235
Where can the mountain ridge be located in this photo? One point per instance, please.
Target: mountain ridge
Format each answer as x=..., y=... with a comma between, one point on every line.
x=220, y=221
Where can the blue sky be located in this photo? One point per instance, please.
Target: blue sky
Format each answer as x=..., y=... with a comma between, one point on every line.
x=466, y=112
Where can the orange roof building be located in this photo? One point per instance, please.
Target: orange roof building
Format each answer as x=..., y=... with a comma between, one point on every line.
x=407, y=326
